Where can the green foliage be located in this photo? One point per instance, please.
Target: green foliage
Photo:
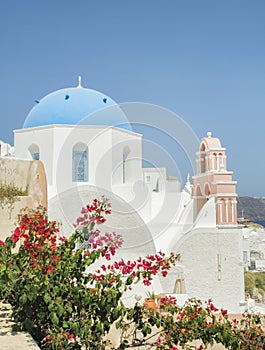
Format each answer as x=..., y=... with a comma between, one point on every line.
x=249, y=283
x=151, y=295
x=174, y=327
x=260, y=281
x=58, y=297
x=11, y=191
x=9, y=194
x=52, y=304
x=254, y=280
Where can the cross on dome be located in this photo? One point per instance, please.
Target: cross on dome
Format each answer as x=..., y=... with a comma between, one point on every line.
x=79, y=85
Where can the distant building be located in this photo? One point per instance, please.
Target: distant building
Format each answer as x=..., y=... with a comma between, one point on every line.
x=260, y=265
x=6, y=150
x=253, y=247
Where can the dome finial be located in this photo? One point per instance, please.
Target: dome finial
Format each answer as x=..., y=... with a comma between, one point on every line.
x=79, y=81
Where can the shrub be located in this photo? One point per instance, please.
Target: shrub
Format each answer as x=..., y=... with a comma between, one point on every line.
x=9, y=194
x=64, y=303
x=254, y=282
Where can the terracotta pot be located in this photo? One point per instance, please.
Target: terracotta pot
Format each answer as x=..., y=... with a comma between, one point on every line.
x=150, y=303
x=93, y=291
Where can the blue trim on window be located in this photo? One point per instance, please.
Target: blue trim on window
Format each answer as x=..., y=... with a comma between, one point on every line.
x=36, y=156
x=79, y=166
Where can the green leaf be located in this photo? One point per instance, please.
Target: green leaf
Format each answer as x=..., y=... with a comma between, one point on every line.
x=115, y=313
x=54, y=318
x=75, y=327
x=51, y=306
x=60, y=310
x=47, y=298
x=23, y=299
x=69, y=309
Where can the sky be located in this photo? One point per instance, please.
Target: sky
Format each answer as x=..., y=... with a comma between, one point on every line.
x=203, y=60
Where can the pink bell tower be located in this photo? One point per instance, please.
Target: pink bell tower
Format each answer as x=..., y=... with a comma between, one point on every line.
x=213, y=180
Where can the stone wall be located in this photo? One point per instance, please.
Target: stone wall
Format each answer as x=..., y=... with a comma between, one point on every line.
x=27, y=175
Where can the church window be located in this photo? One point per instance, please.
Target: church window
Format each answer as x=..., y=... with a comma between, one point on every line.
x=36, y=156
x=203, y=165
x=215, y=162
x=220, y=162
x=148, y=179
x=80, y=163
x=34, y=152
x=126, y=152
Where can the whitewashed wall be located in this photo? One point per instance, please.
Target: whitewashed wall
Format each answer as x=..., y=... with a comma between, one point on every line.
x=213, y=263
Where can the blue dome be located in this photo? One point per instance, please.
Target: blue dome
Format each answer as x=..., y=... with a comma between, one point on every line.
x=76, y=106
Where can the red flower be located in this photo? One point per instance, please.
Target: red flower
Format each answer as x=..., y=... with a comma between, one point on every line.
x=16, y=234
x=70, y=336
x=224, y=312
x=50, y=269
x=213, y=308
x=107, y=256
x=2, y=243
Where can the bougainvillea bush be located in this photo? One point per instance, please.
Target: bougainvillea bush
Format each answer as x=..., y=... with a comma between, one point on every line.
x=65, y=303
x=196, y=325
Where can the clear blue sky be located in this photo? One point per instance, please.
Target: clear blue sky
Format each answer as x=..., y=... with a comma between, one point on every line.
x=202, y=59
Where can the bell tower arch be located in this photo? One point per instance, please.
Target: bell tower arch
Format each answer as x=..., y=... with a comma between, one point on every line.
x=212, y=179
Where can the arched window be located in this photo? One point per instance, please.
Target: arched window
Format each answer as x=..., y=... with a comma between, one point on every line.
x=34, y=151
x=126, y=152
x=220, y=165
x=80, y=163
x=203, y=165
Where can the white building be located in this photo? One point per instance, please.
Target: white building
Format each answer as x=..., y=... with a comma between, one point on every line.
x=6, y=150
x=88, y=148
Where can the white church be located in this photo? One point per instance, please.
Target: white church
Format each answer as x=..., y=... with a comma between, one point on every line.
x=88, y=148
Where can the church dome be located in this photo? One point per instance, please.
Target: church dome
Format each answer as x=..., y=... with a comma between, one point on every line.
x=76, y=106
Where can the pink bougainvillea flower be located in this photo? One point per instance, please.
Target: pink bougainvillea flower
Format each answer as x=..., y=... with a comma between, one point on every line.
x=224, y=312
x=70, y=336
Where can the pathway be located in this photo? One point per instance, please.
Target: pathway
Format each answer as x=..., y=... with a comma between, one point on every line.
x=13, y=340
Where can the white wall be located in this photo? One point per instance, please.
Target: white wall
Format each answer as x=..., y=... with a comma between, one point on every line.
x=155, y=178
x=98, y=142
x=105, y=146
x=213, y=264
x=131, y=144
x=43, y=138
